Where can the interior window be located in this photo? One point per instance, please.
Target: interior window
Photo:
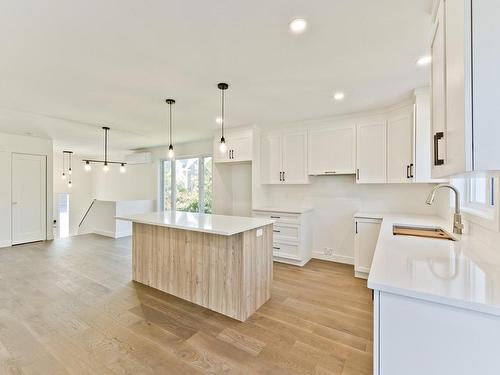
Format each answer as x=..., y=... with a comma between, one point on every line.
x=187, y=184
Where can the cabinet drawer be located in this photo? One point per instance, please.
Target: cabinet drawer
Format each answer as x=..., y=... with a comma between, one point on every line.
x=278, y=217
x=286, y=232
x=285, y=250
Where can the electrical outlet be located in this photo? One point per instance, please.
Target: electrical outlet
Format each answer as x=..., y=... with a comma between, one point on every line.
x=328, y=251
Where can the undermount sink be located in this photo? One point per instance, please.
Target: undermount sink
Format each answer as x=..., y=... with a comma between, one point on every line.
x=421, y=231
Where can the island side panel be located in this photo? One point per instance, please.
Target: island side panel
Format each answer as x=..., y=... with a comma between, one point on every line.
x=206, y=269
x=257, y=268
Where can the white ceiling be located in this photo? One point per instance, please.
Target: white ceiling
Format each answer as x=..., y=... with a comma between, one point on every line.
x=69, y=67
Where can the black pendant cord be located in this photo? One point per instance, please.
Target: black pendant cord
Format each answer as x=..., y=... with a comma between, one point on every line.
x=70, y=162
x=223, y=118
x=105, y=146
x=170, y=119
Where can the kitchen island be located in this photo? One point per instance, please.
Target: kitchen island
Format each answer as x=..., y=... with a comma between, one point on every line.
x=224, y=263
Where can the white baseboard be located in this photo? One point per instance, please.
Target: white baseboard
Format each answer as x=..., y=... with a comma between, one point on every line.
x=104, y=233
x=291, y=261
x=5, y=243
x=123, y=234
x=333, y=258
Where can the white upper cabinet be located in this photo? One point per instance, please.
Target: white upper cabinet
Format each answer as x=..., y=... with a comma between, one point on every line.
x=284, y=158
x=271, y=163
x=465, y=87
x=239, y=146
x=332, y=151
x=400, y=165
x=371, y=153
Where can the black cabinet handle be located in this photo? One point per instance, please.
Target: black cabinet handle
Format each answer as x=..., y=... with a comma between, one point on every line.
x=407, y=171
x=283, y=176
x=275, y=217
x=357, y=174
x=411, y=170
x=276, y=231
x=276, y=248
x=330, y=172
x=437, y=137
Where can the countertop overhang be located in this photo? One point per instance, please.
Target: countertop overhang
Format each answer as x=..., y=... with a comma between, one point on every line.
x=463, y=273
x=215, y=224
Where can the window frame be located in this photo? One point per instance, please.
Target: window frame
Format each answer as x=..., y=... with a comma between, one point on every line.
x=201, y=181
x=487, y=215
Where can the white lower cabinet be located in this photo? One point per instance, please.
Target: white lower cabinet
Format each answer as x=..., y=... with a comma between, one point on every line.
x=291, y=235
x=415, y=337
x=366, y=235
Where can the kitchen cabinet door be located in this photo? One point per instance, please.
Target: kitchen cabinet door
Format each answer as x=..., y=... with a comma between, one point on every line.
x=271, y=165
x=365, y=241
x=294, y=149
x=400, y=164
x=371, y=153
x=240, y=149
x=332, y=151
x=438, y=94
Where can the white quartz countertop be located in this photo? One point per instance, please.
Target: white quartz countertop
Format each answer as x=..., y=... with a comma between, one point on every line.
x=286, y=210
x=207, y=223
x=463, y=273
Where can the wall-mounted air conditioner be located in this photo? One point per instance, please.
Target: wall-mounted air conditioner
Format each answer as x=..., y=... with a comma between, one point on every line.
x=138, y=158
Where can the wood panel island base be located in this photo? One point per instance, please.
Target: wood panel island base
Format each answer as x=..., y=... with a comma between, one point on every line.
x=224, y=263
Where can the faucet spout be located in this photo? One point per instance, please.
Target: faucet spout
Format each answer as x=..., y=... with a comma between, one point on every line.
x=457, y=217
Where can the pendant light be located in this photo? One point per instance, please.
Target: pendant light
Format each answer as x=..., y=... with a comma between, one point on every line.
x=222, y=87
x=106, y=162
x=63, y=176
x=70, y=171
x=170, y=147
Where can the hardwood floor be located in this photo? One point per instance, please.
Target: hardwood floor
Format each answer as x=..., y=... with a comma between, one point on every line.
x=70, y=307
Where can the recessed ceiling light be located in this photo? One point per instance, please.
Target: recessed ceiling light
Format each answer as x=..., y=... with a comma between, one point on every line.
x=424, y=60
x=218, y=120
x=298, y=25
x=338, y=96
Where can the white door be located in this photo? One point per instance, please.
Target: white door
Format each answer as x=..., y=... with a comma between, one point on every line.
x=332, y=151
x=29, y=198
x=365, y=241
x=438, y=95
x=271, y=166
x=294, y=147
x=400, y=166
x=371, y=153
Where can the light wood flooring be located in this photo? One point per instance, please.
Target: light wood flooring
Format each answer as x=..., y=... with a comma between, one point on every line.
x=70, y=307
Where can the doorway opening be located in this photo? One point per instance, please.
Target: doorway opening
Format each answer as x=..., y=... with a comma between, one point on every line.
x=63, y=215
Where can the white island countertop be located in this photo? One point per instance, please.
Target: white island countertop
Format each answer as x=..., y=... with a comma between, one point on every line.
x=463, y=273
x=216, y=224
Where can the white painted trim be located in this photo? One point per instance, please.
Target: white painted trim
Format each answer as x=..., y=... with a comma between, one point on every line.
x=345, y=259
x=104, y=233
x=5, y=244
x=291, y=261
x=123, y=234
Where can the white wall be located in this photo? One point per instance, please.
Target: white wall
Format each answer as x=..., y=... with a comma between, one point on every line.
x=140, y=182
x=20, y=144
x=80, y=194
x=335, y=200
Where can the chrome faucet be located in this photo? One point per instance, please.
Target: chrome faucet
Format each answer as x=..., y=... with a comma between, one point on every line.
x=457, y=216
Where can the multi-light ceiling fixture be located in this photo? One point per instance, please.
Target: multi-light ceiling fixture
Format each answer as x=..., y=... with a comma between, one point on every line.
x=105, y=168
x=70, y=170
x=222, y=87
x=171, y=146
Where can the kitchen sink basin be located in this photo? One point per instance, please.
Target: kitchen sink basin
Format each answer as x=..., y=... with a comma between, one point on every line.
x=421, y=231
